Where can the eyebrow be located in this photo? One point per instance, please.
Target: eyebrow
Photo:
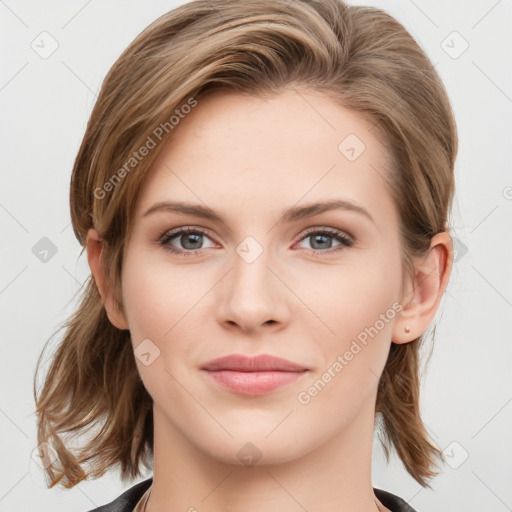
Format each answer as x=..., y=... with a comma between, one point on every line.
x=292, y=214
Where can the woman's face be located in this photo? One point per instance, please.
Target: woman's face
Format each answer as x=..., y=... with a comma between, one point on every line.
x=319, y=287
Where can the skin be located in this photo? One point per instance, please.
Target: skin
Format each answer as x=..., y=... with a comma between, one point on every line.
x=249, y=159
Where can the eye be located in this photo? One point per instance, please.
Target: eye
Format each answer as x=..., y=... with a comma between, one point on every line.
x=321, y=240
x=191, y=240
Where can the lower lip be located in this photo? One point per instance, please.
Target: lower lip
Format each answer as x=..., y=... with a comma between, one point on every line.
x=253, y=383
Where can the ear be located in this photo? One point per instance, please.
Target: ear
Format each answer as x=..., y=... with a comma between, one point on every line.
x=94, y=245
x=424, y=293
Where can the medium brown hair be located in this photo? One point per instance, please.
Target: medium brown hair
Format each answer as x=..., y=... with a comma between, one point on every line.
x=363, y=58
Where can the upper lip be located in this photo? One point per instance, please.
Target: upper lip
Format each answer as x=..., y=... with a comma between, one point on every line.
x=262, y=362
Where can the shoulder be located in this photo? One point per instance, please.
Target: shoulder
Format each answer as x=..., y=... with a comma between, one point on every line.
x=126, y=501
x=394, y=503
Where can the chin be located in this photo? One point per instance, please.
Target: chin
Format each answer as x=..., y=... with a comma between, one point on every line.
x=254, y=449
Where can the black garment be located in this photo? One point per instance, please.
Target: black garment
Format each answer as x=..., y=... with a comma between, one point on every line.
x=126, y=502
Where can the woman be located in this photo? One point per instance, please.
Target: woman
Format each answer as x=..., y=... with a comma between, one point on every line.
x=262, y=191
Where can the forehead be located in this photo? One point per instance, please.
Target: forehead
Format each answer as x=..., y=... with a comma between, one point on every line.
x=240, y=150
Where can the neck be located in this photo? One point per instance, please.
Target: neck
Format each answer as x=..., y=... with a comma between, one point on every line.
x=335, y=476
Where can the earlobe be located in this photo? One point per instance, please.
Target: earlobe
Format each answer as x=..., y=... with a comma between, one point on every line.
x=425, y=291
x=94, y=245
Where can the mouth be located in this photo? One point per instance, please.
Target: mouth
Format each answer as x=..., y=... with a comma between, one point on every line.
x=252, y=376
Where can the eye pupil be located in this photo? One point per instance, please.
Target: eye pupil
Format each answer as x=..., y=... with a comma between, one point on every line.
x=322, y=239
x=185, y=239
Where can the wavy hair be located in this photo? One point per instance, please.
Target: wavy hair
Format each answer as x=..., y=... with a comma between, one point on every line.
x=368, y=62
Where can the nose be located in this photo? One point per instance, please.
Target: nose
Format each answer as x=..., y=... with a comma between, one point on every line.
x=252, y=295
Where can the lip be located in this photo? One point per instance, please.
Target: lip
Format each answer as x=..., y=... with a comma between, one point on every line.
x=259, y=363
x=252, y=376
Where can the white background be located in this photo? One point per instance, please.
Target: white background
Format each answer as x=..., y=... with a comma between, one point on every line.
x=45, y=104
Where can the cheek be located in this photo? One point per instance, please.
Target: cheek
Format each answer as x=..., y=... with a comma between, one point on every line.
x=157, y=299
x=361, y=313
x=349, y=297
x=357, y=306
x=156, y=296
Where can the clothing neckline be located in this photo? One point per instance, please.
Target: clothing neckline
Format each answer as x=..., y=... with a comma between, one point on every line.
x=389, y=500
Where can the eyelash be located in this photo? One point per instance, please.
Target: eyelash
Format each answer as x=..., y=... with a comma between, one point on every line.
x=333, y=233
